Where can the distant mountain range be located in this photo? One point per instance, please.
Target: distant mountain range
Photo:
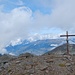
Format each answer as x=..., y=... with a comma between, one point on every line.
x=38, y=47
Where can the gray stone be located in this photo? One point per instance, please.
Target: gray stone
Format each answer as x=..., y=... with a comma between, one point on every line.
x=68, y=64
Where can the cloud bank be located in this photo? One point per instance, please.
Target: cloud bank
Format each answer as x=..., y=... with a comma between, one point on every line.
x=22, y=21
x=15, y=24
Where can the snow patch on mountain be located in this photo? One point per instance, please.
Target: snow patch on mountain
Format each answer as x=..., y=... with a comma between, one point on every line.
x=71, y=42
x=12, y=54
x=16, y=42
x=54, y=45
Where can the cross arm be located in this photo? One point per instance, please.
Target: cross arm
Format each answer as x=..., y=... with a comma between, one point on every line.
x=66, y=35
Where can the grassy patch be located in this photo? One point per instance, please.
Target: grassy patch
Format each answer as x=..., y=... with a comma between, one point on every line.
x=62, y=65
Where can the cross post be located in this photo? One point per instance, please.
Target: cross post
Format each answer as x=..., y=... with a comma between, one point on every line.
x=67, y=45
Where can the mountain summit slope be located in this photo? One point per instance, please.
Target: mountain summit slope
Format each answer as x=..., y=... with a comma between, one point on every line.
x=62, y=49
x=39, y=65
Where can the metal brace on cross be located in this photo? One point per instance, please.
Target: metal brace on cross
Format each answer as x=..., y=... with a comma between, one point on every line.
x=67, y=35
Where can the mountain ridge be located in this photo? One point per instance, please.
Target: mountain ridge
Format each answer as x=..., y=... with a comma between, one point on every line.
x=36, y=47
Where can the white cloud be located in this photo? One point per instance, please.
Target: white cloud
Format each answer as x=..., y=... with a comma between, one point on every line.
x=38, y=36
x=62, y=16
x=15, y=24
x=2, y=50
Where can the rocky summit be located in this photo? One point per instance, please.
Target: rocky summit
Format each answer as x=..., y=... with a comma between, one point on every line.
x=47, y=64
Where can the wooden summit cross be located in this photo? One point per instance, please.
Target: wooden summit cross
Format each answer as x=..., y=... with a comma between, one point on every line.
x=67, y=35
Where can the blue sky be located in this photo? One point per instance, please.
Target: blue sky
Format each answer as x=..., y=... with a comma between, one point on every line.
x=22, y=18
x=32, y=4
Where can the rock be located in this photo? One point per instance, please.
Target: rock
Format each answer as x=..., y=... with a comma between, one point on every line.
x=47, y=71
x=28, y=67
x=70, y=69
x=68, y=57
x=42, y=67
x=26, y=55
x=31, y=71
x=50, y=61
x=68, y=64
x=6, y=65
x=72, y=63
x=17, y=62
